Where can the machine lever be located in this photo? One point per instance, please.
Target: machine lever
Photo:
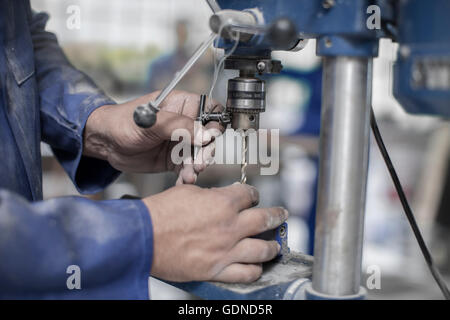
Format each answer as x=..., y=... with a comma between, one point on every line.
x=145, y=115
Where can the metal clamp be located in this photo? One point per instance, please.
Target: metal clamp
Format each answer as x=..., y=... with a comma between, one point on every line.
x=205, y=117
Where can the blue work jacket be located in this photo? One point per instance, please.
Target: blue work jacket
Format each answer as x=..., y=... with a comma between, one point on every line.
x=44, y=98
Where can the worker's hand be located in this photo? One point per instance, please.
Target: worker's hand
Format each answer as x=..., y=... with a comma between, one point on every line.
x=111, y=134
x=203, y=234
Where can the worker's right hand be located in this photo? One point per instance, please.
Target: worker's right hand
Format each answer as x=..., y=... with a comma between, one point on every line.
x=112, y=135
x=204, y=234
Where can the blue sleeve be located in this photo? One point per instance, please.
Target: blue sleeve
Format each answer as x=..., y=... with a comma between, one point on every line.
x=67, y=98
x=110, y=242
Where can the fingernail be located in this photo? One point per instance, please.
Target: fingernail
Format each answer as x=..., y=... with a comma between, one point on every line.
x=255, y=195
x=278, y=247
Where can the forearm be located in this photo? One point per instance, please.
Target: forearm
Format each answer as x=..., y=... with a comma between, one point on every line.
x=98, y=141
x=67, y=99
x=110, y=241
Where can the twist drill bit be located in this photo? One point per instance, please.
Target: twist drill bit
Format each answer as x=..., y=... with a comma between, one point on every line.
x=244, y=162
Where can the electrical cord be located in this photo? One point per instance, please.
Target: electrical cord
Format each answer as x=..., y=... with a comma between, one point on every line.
x=218, y=66
x=407, y=209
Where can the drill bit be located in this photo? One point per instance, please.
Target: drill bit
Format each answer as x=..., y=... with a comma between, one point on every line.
x=244, y=162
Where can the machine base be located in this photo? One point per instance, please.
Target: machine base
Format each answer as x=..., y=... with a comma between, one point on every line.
x=277, y=277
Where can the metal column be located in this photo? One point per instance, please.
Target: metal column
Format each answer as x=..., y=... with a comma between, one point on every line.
x=344, y=145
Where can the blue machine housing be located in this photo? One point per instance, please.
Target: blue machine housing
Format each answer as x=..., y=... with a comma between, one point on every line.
x=422, y=71
x=344, y=24
x=421, y=28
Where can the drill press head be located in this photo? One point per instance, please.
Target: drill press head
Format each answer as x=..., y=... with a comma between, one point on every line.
x=247, y=93
x=246, y=100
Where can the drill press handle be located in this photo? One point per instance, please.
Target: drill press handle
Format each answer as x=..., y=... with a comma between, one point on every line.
x=145, y=115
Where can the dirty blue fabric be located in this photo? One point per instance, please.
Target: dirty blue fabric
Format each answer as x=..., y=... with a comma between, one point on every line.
x=43, y=98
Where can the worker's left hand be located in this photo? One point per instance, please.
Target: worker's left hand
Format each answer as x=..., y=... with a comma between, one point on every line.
x=111, y=134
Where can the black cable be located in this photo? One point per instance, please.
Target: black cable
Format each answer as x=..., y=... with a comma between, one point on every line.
x=409, y=214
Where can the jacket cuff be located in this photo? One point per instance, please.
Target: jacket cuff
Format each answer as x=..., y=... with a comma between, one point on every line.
x=147, y=230
x=89, y=175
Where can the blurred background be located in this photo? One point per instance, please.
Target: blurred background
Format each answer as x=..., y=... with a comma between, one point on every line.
x=132, y=47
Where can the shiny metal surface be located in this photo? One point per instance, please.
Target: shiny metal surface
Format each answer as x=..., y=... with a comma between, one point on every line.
x=145, y=115
x=213, y=5
x=344, y=142
x=245, y=121
x=246, y=99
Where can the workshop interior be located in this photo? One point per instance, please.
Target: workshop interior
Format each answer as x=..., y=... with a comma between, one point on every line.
x=360, y=93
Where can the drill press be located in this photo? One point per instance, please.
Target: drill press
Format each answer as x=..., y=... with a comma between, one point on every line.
x=246, y=97
x=347, y=42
